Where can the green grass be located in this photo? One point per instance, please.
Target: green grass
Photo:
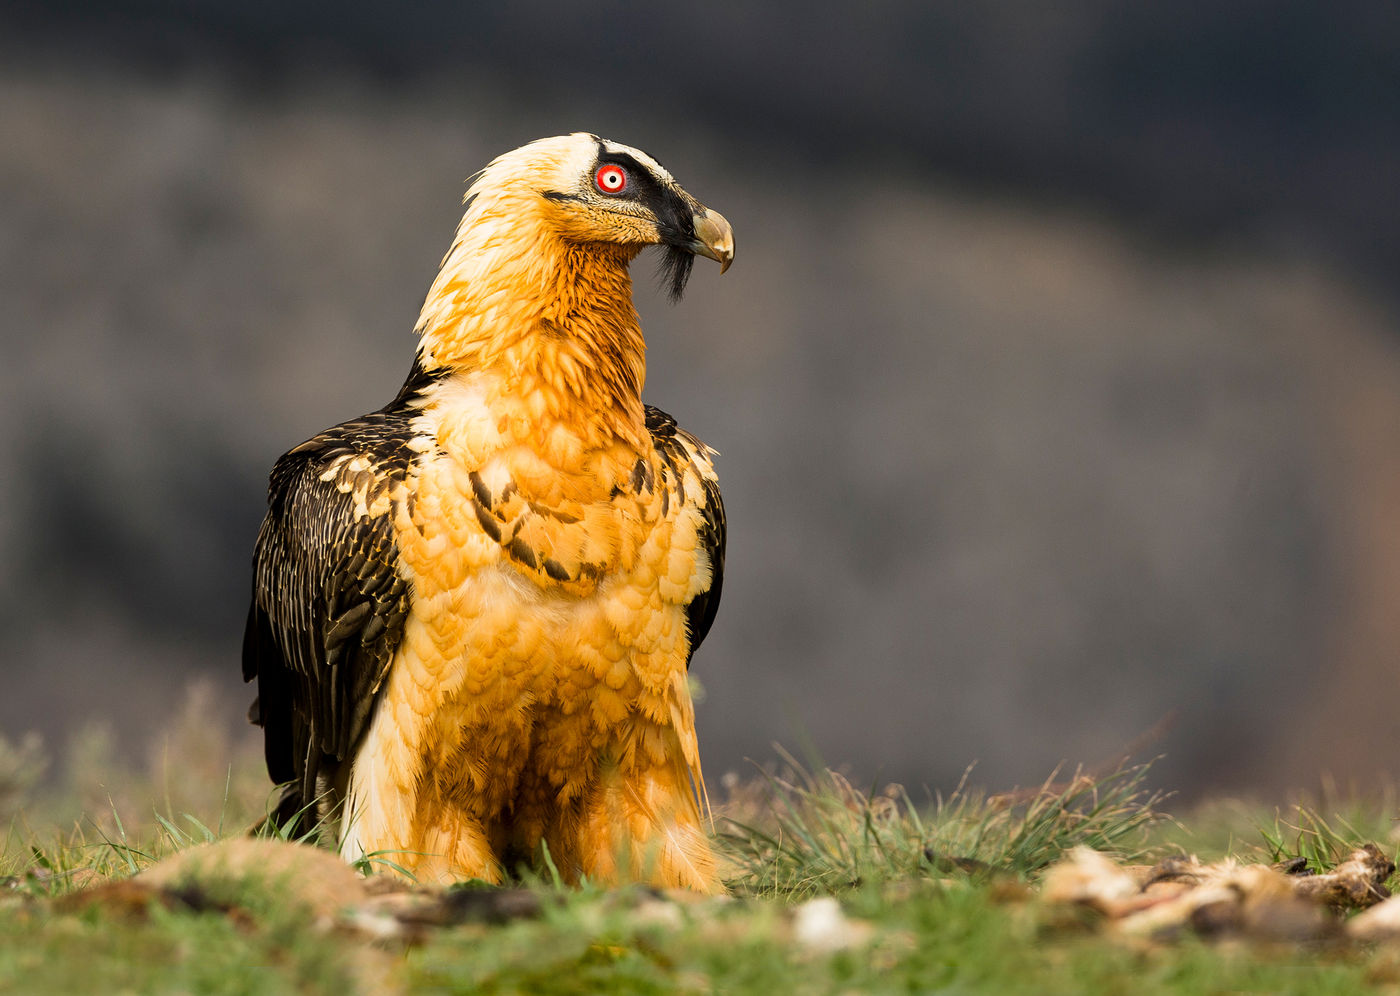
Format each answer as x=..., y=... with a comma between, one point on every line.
x=957, y=939
x=937, y=895
x=166, y=951
x=941, y=939
x=817, y=834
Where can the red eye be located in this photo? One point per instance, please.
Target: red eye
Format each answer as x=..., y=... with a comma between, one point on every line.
x=611, y=179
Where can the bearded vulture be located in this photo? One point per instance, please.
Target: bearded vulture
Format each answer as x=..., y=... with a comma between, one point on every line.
x=474, y=609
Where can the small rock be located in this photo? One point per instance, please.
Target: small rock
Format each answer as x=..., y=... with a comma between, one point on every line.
x=821, y=925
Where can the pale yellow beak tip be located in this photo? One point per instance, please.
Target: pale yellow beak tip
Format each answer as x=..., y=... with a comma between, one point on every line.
x=714, y=238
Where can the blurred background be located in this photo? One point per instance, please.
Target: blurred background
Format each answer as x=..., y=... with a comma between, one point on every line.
x=1057, y=381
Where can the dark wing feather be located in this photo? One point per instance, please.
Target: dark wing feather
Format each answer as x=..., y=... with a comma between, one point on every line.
x=329, y=603
x=677, y=448
x=700, y=613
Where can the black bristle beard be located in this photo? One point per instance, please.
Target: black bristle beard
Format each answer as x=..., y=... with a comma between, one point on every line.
x=674, y=271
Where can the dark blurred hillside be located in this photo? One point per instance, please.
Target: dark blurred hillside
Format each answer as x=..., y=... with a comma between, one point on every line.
x=1240, y=120
x=1046, y=410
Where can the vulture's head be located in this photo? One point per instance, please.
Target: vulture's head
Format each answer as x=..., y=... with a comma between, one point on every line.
x=595, y=192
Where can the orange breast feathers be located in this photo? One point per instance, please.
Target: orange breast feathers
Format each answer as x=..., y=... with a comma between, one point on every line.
x=540, y=695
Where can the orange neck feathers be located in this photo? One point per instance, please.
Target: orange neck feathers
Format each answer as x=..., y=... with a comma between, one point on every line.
x=543, y=318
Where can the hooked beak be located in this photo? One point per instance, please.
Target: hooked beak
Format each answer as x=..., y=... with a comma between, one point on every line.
x=714, y=239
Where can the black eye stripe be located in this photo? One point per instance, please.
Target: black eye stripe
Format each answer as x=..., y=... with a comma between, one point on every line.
x=622, y=159
x=672, y=212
